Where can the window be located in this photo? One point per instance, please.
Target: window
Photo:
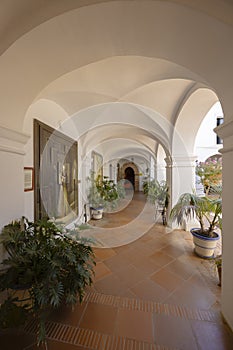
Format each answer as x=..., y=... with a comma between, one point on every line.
x=219, y=122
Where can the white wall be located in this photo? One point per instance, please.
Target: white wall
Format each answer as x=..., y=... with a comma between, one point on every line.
x=205, y=143
x=12, y=190
x=11, y=176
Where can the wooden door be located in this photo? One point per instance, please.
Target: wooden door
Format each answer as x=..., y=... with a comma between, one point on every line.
x=56, y=174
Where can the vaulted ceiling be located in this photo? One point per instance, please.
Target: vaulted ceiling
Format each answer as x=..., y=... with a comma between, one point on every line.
x=19, y=17
x=80, y=55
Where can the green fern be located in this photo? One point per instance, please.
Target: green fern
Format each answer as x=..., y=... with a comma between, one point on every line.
x=44, y=258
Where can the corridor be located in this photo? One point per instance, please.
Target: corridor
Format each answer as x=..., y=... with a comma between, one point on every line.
x=150, y=294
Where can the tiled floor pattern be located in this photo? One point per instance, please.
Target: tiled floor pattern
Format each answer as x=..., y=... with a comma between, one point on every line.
x=109, y=322
x=124, y=226
x=151, y=294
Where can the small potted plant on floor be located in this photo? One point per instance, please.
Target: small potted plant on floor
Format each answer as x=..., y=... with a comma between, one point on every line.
x=103, y=195
x=94, y=197
x=108, y=191
x=208, y=212
x=45, y=261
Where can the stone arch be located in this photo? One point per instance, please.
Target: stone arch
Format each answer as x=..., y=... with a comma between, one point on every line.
x=136, y=173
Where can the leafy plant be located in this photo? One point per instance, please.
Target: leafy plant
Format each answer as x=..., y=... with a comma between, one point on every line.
x=107, y=190
x=44, y=259
x=12, y=314
x=206, y=210
x=157, y=193
x=94, y=195
x=210, y=173
x=104, y=192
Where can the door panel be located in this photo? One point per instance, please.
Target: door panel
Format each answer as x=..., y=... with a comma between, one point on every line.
x=56, y=169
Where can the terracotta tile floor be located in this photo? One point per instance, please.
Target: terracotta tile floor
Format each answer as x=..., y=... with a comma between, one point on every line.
x=150, y=294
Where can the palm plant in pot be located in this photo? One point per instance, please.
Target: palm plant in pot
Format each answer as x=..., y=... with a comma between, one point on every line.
x=45, y=261
x=208, y=213
x=158, y=194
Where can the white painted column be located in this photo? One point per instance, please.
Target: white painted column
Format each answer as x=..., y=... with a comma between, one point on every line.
x=161, y=164
x=225, y=131
x=180, y=173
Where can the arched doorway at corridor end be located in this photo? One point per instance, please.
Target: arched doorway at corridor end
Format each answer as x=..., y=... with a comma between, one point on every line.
x=129, y=171
x=130, y=175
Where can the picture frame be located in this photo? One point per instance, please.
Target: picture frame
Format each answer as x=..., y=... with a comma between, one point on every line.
x=97, y=164
x=28, y=179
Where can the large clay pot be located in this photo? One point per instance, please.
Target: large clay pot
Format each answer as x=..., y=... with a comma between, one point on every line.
x=204, y=246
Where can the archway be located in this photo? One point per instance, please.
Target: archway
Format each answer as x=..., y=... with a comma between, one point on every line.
x=130, y=175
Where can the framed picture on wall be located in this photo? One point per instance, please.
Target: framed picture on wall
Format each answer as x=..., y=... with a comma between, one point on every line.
x=28, y=179
x=97, y=164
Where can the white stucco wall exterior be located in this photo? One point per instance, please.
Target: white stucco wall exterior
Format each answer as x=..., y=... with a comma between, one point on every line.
x=206, y=139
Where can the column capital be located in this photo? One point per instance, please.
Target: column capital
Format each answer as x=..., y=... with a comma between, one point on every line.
x=181, y=161
x=225, y=132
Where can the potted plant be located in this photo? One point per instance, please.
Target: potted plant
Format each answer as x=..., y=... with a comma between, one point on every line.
x=157, y=193
x=103, y=195
x=108, y=191
x=44, y=260
x=94, y=198
x=208, y=212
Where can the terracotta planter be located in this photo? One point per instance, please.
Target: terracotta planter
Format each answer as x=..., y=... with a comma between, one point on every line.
x=204, y=246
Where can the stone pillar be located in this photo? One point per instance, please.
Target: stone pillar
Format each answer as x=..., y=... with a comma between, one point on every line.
x=225, y=131
x=180, y=174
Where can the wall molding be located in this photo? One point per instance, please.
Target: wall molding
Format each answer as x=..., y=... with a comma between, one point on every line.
x=10, y=149
x=14, y=135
